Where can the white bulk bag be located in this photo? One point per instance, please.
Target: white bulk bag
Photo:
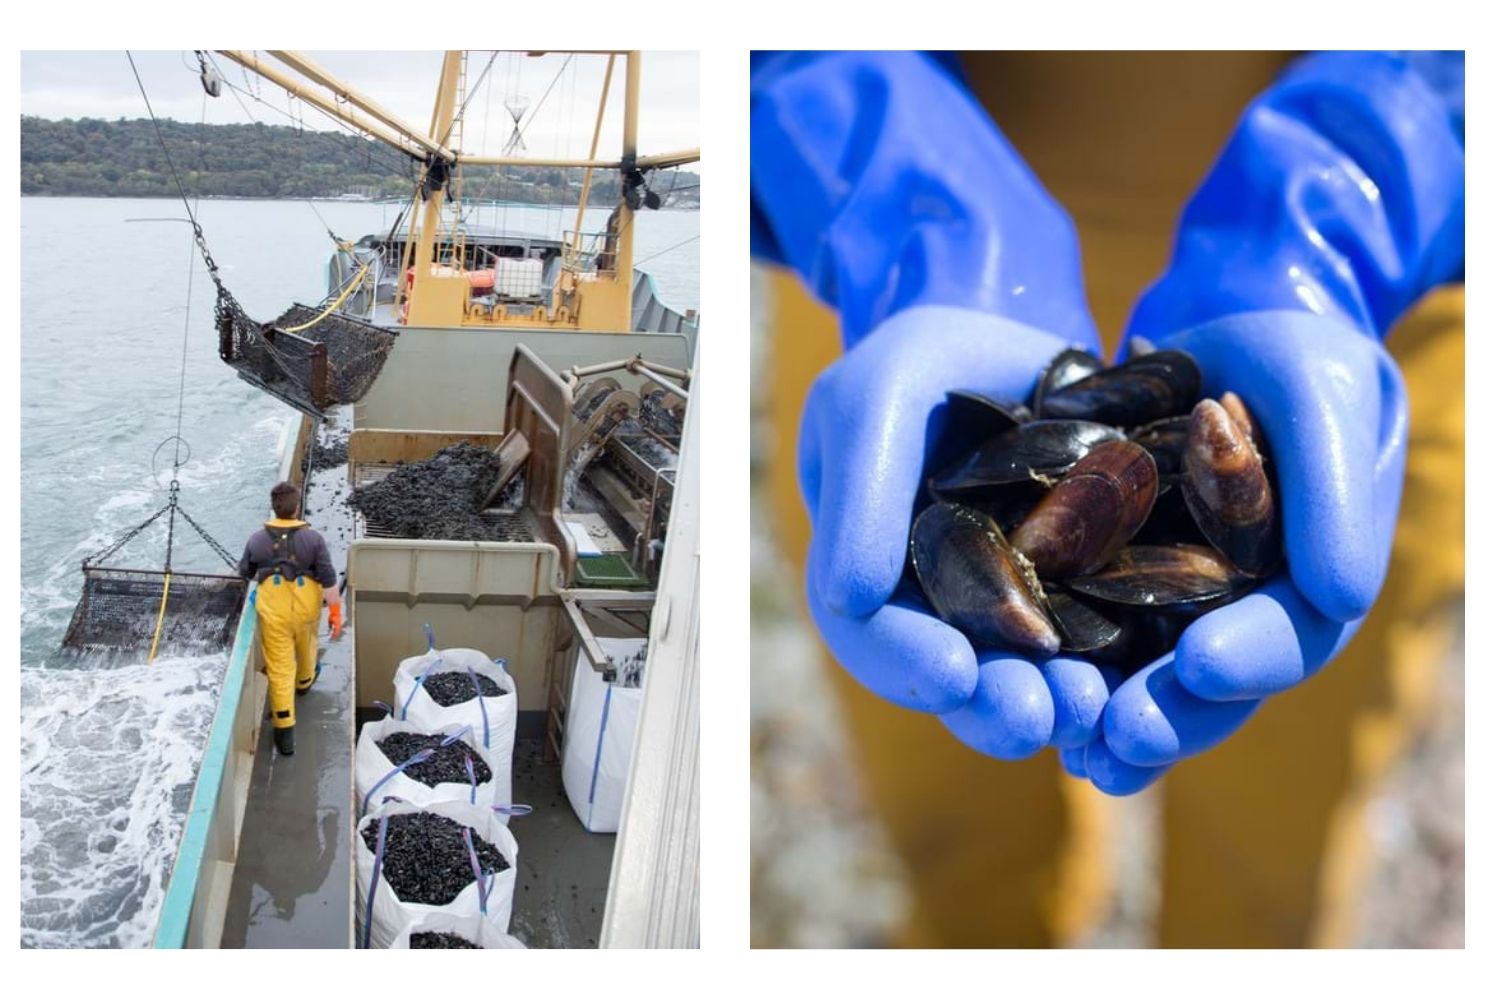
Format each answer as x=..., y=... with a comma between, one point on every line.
x=373, y=769
x=390, y=914
x=599, y=740
x=481, y=932
x=496, y=715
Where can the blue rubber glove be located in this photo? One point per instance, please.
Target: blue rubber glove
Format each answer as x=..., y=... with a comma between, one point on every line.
x=1338, y=202
x=877, y=177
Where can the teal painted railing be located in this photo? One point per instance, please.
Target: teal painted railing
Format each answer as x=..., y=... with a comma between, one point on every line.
x=177, y=908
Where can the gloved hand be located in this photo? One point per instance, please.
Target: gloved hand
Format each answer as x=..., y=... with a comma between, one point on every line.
x=335, y=620
x=1338, y=203
x=876, y=176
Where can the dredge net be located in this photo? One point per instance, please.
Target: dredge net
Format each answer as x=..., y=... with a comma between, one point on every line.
x=119, y=610
x=305, y=358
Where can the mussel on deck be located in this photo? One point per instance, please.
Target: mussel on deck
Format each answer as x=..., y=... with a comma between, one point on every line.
x=1103, y=517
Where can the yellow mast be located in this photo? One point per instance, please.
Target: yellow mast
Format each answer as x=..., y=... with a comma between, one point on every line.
x=588, y=172
x=425, y=309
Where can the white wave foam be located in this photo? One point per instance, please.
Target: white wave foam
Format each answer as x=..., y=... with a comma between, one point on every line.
x=109, y=755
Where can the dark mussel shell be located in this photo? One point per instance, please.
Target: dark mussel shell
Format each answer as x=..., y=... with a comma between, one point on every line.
x=1065, y=369
x=1080, y=626
x=1228, y=492
x=1169, y=578
x=977, y=583
x=1166, y=440
x=972, y=419
x=1143, y=389
x=1008, y=505
x=1040, y=449
x=986, y=415
x=1091, y=514
x=1170, y=522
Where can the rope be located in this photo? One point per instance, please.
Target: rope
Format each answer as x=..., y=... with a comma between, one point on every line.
x=669, y=249
x=359, y=276
x=161, y=616
x=171, y=509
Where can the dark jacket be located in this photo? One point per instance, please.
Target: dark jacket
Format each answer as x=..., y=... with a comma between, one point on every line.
x=306, y=553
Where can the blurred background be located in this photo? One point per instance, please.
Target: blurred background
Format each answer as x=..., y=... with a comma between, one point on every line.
x=1368, y=851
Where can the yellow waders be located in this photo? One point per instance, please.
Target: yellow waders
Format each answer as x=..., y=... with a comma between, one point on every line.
x=288, y=611
x=1263, y=836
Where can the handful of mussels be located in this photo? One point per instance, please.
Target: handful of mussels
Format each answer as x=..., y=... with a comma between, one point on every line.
x=1100, y=519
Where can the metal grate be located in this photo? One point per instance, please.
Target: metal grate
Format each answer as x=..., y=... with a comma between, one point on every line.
x=119, y=607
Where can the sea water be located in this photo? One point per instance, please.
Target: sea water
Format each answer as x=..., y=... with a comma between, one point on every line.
x=110, y=748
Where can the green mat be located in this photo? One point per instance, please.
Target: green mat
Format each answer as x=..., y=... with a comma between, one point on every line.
x=606, y=571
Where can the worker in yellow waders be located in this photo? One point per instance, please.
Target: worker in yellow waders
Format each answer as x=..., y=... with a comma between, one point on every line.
x=294, y=579
x=1313, y=271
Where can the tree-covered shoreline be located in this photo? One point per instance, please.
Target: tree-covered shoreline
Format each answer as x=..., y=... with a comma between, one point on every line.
x=93, y=157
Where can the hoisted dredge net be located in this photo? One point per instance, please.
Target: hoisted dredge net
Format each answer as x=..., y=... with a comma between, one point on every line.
x=128, y=609
x=309, y=358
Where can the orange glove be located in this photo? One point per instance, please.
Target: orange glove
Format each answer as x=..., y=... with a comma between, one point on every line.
x=335, y=620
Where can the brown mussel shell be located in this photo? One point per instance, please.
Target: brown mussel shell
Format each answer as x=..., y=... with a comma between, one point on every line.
x=1093, y=511
x=1227, y=490
x=1168, y=578
x=1042, y=449
x=977, y=583
x=1063, y=370
x=1143, y=389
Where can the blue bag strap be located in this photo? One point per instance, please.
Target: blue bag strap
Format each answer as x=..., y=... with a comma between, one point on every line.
x=484, y=713
x=415, y=758
x=609, y=689
x=413, y=692
x=484, y=890
x=375, y=880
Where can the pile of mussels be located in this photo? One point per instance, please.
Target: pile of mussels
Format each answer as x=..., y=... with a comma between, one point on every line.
x=1101, y=519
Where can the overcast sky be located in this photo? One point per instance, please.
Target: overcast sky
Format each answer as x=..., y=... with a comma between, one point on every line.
x=100, y=85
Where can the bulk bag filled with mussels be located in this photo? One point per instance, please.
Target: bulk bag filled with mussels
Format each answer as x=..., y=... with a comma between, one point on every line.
x=1100, y=519
x=462, y=687
x=445, y=857
x=444, y=930
x=421, y=764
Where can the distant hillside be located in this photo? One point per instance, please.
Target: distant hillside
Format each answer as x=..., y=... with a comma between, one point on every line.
x=90, y=156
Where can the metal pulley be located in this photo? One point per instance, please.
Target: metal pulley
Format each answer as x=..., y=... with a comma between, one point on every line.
x=213, y=84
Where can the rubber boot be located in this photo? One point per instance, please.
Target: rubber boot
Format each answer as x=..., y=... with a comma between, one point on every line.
x=285, y=744
x=316, y=673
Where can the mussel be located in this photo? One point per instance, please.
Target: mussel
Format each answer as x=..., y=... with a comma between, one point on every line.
x=972, y=419
x=1080, y=627
x=1165, y=578
x=1144, y=388
x=1091, y=513
x=1032, y=452
x=1227, y=490
x=1065, y=369
x=977, y=583
x=1166, y=440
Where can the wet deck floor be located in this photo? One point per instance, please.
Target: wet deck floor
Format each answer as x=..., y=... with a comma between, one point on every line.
x=293, y=881
x=293, y=884
x=563, y=875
